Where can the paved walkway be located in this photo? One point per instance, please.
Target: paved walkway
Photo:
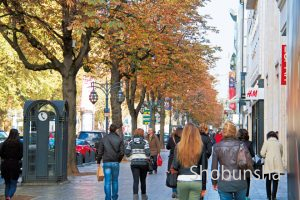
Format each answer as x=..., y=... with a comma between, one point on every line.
x=86, y=187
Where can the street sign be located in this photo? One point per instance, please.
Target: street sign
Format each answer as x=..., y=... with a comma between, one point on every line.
x=146, y=117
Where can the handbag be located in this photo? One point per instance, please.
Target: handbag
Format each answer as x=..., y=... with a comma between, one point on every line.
x=150, y=164
x=244, y=160
x=171, y=180
x=100, y=174
x=159, y=160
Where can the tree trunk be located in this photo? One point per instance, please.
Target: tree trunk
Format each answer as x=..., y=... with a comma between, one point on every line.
x=131, y=85
x=152, y=110
x=162, y=122
x=69, y=94
x=115, y=105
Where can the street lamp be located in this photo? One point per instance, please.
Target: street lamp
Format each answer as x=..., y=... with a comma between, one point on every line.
x=106, y=88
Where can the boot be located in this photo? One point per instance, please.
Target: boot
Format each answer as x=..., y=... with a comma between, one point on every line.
x=144, y=197
x=135, y=197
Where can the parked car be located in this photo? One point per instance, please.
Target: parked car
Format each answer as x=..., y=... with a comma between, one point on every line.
x=84, y=147
x=91, y=137
x=3, y=136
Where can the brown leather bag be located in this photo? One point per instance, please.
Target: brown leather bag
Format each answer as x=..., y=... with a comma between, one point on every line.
x=244, y=160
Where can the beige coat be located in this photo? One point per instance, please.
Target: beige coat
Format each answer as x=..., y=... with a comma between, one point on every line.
x=272, y=151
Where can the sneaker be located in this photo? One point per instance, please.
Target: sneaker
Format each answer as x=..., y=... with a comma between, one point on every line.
x=174, y=195
x=150, y=173
x=144, y=197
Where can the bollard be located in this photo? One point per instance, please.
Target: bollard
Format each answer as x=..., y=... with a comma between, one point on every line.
x=92, y=156
x=79, y=158
x=87, y=157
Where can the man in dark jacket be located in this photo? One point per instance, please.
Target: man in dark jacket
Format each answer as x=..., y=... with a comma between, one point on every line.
x=111, y=150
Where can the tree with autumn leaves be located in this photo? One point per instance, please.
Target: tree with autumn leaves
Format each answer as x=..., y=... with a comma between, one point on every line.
x=150, y=44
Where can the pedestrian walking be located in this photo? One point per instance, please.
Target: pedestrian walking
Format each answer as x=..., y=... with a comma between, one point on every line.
x=111, y=151
x=243, y=136
x=231, y=183
x=189, y=162
x=154, y=145
x=205, y=139
x=203, y=129
x=139, y=152
x=272, y=151
x=172, y=142
x=11, y=153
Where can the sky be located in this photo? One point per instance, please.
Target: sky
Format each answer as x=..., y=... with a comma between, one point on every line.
x=219, y=10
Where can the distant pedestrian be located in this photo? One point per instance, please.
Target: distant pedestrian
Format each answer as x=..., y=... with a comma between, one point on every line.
x=243, y=136
x=139, y=152
x=111, y=150
x=231, y=183
x=206, y=142
x=189, y=162
x=154, y=145
x=172, y=142
x=219, y=137
x=272, y=151
x=11, y=153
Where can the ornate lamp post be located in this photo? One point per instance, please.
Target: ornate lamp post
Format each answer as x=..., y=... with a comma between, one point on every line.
x=106, y=88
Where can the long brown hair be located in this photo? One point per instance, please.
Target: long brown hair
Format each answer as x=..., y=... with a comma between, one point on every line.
x=190, y=146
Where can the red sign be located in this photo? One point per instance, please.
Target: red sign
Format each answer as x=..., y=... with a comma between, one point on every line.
x=283, y=65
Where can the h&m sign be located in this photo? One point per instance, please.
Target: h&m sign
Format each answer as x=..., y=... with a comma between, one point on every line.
x=254, y=93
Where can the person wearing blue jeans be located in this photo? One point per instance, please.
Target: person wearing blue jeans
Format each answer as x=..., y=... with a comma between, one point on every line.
x=111, y=175
x=111, y=151
x=227, y=176
x=240, y=195
x=11, y=153
x=10, y=187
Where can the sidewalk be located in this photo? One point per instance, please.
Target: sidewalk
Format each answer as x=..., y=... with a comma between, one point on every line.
x=87, y=187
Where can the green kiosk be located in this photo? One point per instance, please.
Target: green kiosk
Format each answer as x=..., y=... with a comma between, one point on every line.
x=45, y=142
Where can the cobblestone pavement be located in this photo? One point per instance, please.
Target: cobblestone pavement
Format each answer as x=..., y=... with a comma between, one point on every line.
x=87, y=188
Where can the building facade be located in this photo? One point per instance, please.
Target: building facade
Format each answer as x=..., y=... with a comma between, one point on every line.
x=263, y=95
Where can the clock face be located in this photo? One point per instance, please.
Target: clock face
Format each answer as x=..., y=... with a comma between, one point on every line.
x=43, y=116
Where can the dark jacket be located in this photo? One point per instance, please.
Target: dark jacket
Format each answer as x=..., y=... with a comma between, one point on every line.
x=207, y=143
x=11, y=153
x=138, y=150
x=171, y=146
x=225, y=156
x=111, y=148
x=250, y=147
x=199, y=169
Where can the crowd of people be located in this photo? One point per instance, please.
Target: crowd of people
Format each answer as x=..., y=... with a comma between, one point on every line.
x=189, y=148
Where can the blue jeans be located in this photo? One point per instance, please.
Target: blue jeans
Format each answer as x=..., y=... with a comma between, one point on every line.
x=174, y=190
x=111, y=175
x=10, y=187
x=239, y=195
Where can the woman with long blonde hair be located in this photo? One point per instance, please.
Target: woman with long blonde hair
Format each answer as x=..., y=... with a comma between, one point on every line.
x=189, y=161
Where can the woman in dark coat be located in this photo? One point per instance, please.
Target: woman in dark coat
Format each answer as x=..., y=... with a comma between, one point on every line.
x=172, y=142
x=11, y=153
x=243, y=136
